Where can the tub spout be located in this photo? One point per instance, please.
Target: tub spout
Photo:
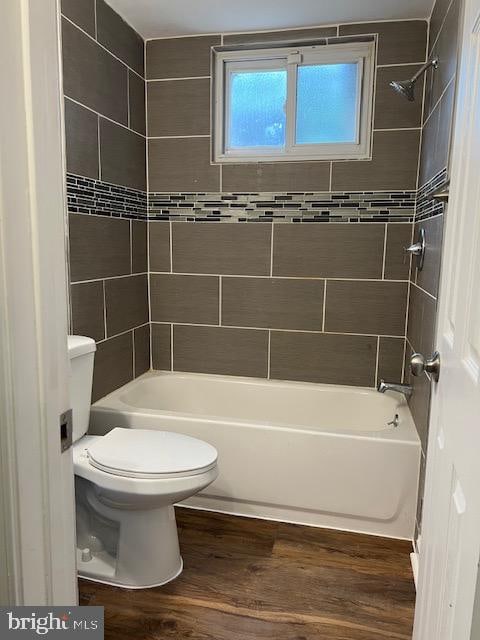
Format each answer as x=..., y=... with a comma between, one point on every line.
x=406, y=389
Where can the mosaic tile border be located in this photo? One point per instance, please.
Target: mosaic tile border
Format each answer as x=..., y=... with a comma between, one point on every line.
x=427, y=207
x=394, y=206
x=86, y=195
x=90, y=196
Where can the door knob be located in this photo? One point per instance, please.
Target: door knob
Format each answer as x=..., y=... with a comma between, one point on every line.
x=419, y=364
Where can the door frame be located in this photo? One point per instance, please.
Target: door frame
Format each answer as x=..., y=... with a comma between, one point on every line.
x=37, y=512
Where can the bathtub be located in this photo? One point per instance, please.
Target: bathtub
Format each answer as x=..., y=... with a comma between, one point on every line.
x=312, y=454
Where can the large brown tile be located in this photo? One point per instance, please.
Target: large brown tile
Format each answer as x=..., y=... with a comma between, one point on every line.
x=398, y=42
x=316, y=357
x=288, y=35
x=122, y=156
x=81, y=140
x=429, y=162
x=159, y=245
x=276, y=303
x=390, y=359
x=191, y=299
x=392, y=111
x=330, y=251
x=119, y=37
x=182, y=164
x=87, y=310
x=179, y=57
x=81, y=12
x=428, y=277
x=237, y=249
x=280, y=176
x=113, y=365
x=393, y=165
x=220, y=350
x=437, y=132
x=92, y=76
x=161, y=347
x=446, y=50
x=139, y=246
x=438, y=16
x=397, y=262
x=179, y=108
x=136, y=97
x=366, y=307
x=126, y=301
x=421, y=321
x=99, y=247
x=141, y=343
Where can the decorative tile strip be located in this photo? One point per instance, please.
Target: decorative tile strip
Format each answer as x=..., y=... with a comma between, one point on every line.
x=367, y=206
x=85, y=195
x=427, y=207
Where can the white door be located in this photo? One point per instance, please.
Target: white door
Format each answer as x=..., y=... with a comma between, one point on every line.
x=37, y=529
x=451, y=524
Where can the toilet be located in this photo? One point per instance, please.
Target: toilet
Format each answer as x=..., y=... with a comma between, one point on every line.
x=126, y=483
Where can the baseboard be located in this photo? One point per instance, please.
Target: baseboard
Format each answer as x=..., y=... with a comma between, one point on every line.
x=414, y=559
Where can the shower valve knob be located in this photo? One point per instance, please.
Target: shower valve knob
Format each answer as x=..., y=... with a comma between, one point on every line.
x=415, y=249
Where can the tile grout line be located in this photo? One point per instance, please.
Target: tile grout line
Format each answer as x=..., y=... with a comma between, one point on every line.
x=106, y=278
x=267, y=276
x=324, y=304
x=271, y=250
x=220, y=295
x=384, y=250
x=171, y=346
x=269, y=351
x=101, y=115
x=104, y=311
x=133, y=354
x=99, y=151
x=123, y=333
x=280, y=330
x=377, y=360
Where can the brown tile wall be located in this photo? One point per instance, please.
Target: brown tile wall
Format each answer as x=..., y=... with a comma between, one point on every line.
x=312, y=302
x=440, y=86
x=104, y=86
x=178, y=74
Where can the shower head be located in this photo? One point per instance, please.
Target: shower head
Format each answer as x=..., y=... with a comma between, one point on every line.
x=406, y=88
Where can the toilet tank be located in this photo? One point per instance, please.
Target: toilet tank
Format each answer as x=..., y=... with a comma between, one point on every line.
x=81, y=351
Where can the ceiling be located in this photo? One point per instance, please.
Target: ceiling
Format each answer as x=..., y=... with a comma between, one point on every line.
x=160, y=18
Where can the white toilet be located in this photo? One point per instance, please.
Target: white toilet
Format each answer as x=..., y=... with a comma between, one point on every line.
x=126, y=484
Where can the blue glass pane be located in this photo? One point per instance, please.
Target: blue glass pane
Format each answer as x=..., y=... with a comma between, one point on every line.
x=257, y=109
x=327, y=103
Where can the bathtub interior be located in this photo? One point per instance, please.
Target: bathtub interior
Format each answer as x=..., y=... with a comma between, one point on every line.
x=257, y=401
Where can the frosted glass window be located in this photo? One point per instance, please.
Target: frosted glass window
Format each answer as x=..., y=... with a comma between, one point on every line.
x=284, y=103
x=327, y=103
x=257, y=109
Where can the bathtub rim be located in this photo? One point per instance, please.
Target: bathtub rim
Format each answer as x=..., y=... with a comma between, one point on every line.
x=405, y=433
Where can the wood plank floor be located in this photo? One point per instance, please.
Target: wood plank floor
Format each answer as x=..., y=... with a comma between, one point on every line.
x=248, y=579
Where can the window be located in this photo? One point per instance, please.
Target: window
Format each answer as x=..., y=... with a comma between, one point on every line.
x=300, y=103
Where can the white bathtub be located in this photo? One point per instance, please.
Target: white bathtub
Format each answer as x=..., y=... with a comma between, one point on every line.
x=312, y=454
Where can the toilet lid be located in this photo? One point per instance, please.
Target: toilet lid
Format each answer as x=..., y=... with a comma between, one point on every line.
x=142, y=453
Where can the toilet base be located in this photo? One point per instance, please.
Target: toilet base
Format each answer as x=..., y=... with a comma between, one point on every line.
x=129, y=548
x=126, y=586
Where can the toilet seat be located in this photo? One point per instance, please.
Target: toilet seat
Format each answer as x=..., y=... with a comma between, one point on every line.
x=149, y=454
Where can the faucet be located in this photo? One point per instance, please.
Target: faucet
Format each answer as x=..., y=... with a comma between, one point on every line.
x=406, y=389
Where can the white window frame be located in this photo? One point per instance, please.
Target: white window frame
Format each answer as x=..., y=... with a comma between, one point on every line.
x=290, y=58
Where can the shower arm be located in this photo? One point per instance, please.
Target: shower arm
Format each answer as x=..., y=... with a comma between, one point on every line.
x=430, y=63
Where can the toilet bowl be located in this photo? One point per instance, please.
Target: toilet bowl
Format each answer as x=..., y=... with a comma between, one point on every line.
x=126, y=483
